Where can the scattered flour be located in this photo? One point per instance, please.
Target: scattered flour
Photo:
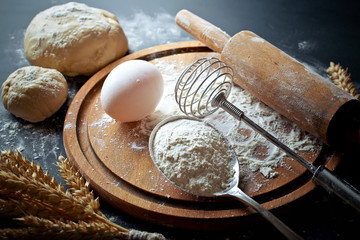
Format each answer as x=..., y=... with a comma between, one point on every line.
x=14, y=50
x=257, y=39
x=38, y=142
x=307, y=45
x=253, y=150
x=153, y=30
x=194, y=156
x=103, y=121
x=44, y=142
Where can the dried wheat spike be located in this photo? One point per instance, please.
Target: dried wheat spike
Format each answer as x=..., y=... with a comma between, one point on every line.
x=58, y=203
x=12, y=208
x=62, y=229
x=9, y=208
x=42, y=195
x=49, y=211
x=79, y=188
x=16, y=233
x=342, y=79
x=27, y=168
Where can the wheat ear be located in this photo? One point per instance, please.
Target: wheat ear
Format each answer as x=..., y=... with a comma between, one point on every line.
x=27, y=168
x=341, y=78
x=49, y=211
x=69, y=229
x=81, y=189
x=57, y=202
x=56, y=229
x=78, y=187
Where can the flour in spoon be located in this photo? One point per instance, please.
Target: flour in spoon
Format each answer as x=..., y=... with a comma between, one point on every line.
x=245, y=142
x=194, y=156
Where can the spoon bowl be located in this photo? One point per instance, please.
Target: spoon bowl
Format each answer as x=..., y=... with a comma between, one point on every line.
x=233, y=190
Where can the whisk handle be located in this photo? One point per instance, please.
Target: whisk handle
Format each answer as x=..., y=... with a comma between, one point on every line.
x=341, y=188
x=202, y=30
x=321, y=175
x=221, y=101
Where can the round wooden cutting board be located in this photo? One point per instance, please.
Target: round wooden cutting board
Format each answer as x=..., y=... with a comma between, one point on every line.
x=114, y=157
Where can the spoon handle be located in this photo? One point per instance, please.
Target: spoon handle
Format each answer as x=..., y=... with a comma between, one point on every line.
x=285, y=230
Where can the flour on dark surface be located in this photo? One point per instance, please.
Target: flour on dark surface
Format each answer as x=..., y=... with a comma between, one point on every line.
x=144, y=31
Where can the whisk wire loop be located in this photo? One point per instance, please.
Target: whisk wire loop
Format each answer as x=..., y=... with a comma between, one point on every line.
x=198, y=85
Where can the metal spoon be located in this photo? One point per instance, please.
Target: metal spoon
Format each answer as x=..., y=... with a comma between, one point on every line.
x=233, y=191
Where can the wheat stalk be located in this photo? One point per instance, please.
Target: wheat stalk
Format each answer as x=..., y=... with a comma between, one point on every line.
x=13, y=208
x=341, y=78
x=26, y=168
x=77, y=185
x=69, y=229
x=47, y=210
x=56, y=229
x=61, y=203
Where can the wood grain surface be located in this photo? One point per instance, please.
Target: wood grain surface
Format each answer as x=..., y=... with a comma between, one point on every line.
x=125, y=176
x=280, y=81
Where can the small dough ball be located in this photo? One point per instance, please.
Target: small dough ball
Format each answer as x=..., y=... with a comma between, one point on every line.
x=132, y=90
x=34, y=93
x=74, y=39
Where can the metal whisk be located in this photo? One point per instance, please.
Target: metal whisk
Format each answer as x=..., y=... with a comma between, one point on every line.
x=204, y=86
x=200, y=83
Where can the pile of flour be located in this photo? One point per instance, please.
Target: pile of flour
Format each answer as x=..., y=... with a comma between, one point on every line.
x=254, y=152
x=194, y=156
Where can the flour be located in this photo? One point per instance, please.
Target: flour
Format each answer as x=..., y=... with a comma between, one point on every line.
x=13, y=51
x=248, y=144
x=39, y=142
x=307, y=45
x=153, y=30
x=254, y=152
x=257, y=39
x=194, y=156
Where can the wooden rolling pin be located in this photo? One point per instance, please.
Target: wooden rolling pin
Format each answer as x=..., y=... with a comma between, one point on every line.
x=287, y=86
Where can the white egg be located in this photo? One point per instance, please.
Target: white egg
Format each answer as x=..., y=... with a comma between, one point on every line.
x=132, y=90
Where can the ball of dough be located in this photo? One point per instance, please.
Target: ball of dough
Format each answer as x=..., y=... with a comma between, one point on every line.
x=74, y=39
x=132, y=90
x=34, y=93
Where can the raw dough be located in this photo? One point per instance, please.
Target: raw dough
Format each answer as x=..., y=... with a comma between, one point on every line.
x=74, y=39
x=34, y=93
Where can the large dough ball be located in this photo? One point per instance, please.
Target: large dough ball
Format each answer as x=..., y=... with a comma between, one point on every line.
x=34, y=93
x=74, y=39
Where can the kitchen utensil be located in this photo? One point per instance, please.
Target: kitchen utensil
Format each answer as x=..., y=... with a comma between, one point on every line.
x=233, y=191
x=281, y=82
x=203, y=87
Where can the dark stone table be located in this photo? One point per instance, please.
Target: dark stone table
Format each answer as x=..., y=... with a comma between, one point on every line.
x=314, y=32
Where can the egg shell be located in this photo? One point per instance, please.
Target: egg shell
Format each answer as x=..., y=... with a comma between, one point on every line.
x=132, y=90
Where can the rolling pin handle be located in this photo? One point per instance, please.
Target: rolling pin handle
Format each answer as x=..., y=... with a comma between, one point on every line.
x=202, y=30
x=341, y=188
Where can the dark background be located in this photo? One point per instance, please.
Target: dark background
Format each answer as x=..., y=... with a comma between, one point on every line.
x=314, y=32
